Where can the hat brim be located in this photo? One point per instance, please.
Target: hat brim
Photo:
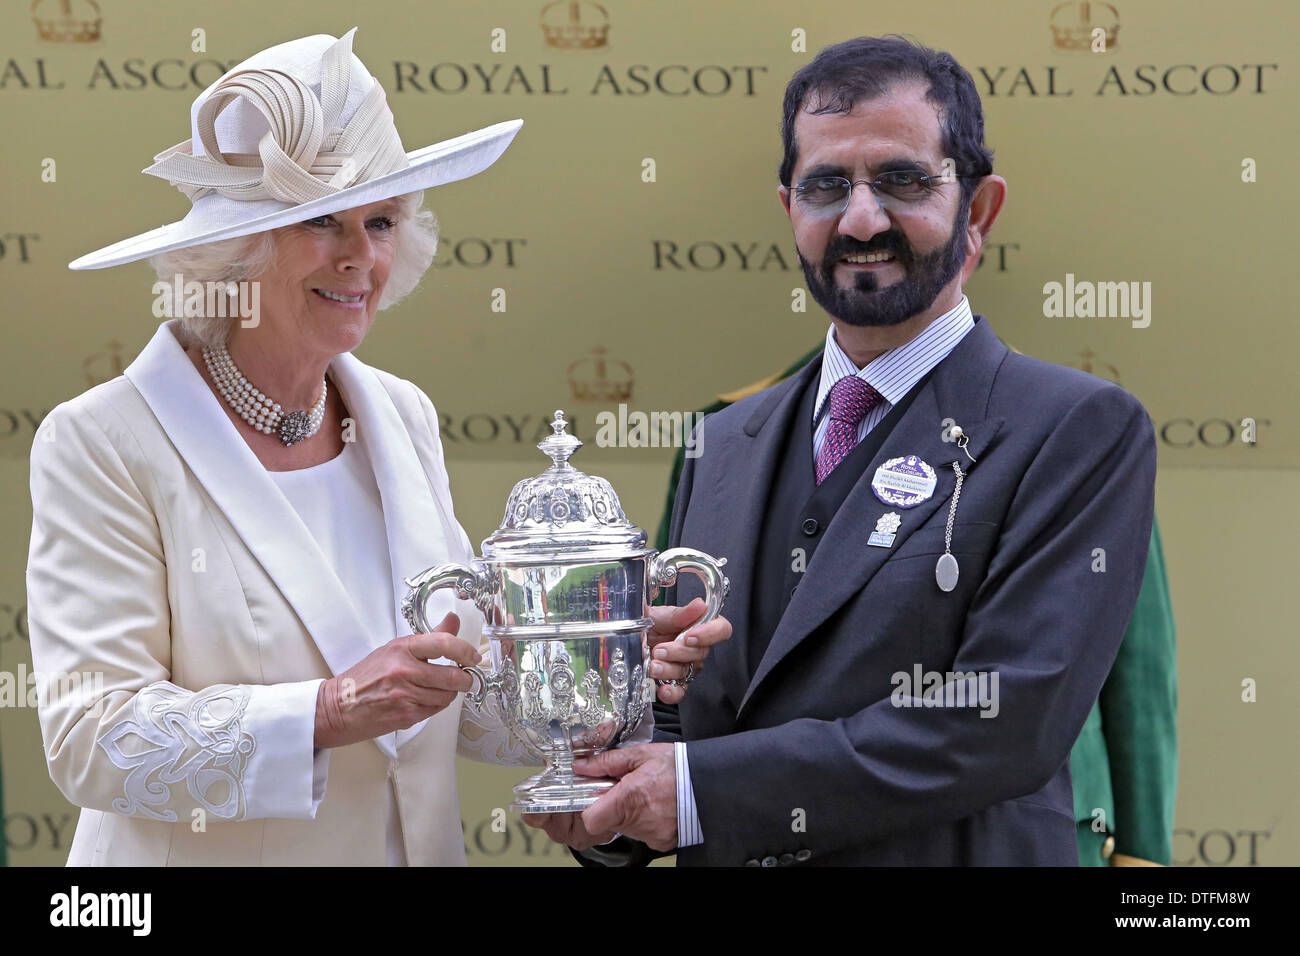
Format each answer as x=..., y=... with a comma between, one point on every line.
x=435, y=165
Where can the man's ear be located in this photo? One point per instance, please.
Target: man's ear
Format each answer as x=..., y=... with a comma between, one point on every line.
x=985, y=205
x=783, y=193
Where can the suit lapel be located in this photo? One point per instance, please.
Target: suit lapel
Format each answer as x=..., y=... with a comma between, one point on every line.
x=759, y=445
x=418, y=532
x=843, y=563
x=267, y=524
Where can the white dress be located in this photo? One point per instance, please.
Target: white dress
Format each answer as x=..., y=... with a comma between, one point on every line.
x=338, y=500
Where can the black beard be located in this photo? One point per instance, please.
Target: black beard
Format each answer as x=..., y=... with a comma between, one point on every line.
x=865, y=304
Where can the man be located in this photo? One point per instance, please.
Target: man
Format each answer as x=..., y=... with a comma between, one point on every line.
x=934, y=544
x=1124, y=766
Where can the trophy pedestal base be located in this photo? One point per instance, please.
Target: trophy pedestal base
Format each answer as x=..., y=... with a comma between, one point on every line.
x=549, y=792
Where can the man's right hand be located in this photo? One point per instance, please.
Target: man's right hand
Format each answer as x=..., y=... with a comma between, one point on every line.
x=394, y=687
x=567, y=828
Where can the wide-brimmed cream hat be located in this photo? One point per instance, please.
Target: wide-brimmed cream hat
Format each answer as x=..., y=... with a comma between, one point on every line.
x=297, y=131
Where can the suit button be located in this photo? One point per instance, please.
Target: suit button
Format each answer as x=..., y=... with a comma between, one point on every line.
x=803, y=855
x=810, y=526
x=751, y=863
x=787, y=859
x=769, y=861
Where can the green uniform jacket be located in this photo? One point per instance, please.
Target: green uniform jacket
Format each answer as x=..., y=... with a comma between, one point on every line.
x=1125, y=763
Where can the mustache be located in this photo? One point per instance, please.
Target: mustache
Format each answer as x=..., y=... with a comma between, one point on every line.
x=842, y=246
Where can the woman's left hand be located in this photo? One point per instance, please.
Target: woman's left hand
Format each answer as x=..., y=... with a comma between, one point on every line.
x=678, y=650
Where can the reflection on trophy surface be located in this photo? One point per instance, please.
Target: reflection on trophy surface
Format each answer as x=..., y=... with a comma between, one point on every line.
x=564, y=586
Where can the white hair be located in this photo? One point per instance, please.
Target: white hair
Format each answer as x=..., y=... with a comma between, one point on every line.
x=245, y=257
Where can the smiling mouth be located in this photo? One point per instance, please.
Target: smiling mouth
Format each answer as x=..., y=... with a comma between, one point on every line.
x=868, y=258
x=340, y=297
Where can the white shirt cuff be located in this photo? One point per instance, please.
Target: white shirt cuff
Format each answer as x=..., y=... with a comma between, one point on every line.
x=688, y=817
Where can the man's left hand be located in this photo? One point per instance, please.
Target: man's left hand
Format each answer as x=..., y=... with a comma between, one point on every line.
x=643, y=804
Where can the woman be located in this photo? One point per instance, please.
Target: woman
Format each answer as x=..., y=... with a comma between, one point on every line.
x=220, y=535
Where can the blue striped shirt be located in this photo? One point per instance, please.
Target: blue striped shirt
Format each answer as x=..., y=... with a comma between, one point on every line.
x=892, y=374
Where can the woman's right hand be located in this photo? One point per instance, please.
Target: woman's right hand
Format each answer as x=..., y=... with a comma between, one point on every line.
x=394, y=687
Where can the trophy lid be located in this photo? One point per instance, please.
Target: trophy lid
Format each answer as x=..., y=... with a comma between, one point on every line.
x=562, y=509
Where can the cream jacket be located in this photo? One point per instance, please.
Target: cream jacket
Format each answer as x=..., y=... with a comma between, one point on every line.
x=182, y=618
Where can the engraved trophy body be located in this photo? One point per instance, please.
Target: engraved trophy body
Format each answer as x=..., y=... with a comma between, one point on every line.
x=564, y=586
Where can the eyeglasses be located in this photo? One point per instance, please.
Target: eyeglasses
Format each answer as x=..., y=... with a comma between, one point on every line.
x=897, y=190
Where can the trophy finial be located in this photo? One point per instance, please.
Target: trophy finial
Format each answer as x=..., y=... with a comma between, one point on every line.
x=561, y=445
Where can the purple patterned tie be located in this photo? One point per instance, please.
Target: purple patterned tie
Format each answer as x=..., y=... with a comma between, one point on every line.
x=850, y=400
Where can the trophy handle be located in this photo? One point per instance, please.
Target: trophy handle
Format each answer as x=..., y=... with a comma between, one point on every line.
x=485, y=684
x=471, y=581
x=665, y=566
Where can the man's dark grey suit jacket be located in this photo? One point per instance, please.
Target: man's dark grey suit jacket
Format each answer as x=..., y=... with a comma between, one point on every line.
x=802, y=756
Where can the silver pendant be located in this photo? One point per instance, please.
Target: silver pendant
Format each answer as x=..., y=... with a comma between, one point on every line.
x=945, y=572
x=294, y=427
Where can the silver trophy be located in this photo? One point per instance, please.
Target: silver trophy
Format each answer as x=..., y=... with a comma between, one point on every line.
x=564, y=586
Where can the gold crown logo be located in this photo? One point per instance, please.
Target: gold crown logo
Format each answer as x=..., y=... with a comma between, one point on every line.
x=1107, y=371
x=1072, y=24
x=593, y=378
x=67, y=21
x=575, y=24
x=103, y=366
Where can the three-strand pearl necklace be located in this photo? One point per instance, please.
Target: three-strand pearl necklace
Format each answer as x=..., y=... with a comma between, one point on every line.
x=258, y=410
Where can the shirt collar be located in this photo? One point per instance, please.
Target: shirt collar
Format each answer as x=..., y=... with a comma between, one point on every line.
x=894, y=372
